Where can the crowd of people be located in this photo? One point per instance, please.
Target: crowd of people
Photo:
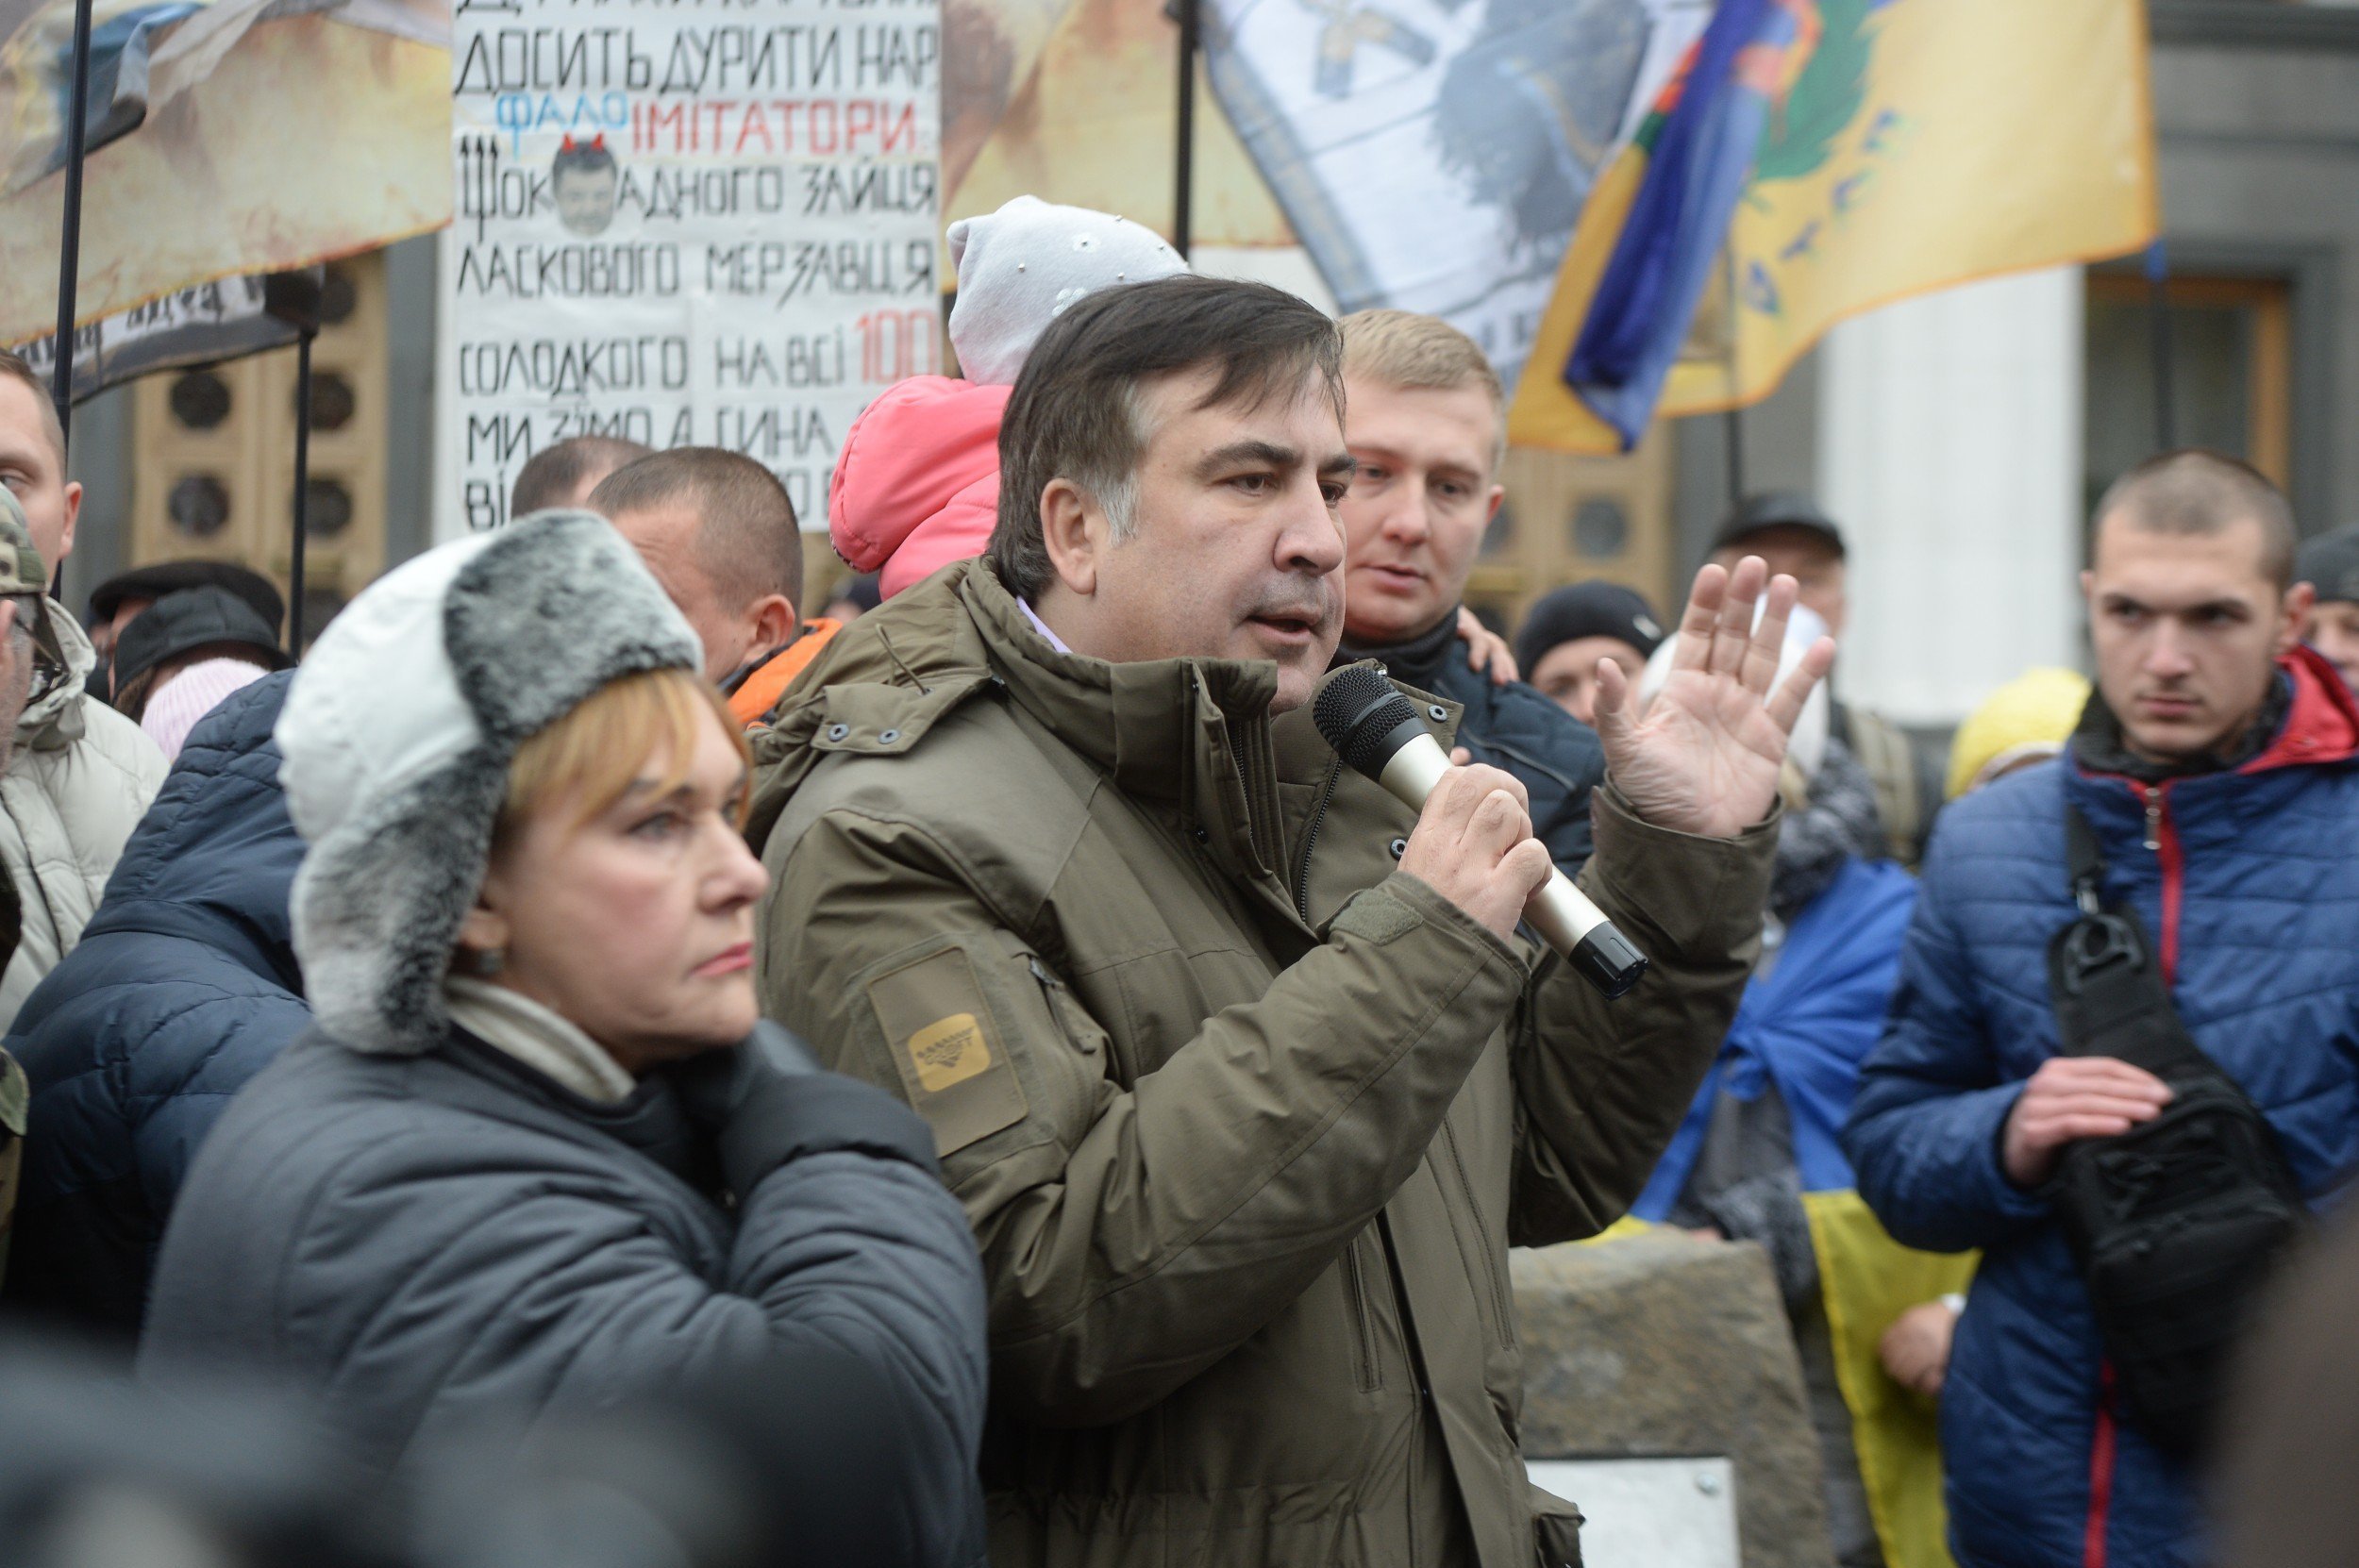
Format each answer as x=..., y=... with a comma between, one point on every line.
x=981, y=1062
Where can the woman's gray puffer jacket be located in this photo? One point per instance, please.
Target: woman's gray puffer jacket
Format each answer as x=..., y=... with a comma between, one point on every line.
x=450, y=1243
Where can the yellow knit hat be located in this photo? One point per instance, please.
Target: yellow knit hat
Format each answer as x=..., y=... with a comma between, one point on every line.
x=2033, y=715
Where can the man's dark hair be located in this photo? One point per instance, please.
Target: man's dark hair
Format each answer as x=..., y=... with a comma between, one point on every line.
x=2194, y=492
x=550, y=474
x=1075, y=412
x=747, y=540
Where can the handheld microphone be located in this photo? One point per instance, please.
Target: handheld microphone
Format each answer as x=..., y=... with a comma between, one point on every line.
x=1375, y=729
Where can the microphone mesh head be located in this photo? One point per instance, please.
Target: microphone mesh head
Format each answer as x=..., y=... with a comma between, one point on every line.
x=1357, y=711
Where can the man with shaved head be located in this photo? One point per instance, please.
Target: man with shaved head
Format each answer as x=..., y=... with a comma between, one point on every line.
x=2217, y=770
x=719, y=533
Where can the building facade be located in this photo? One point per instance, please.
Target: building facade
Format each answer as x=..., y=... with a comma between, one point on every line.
x=1959, y=437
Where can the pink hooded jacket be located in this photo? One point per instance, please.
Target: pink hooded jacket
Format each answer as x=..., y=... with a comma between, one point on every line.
x=917, y=485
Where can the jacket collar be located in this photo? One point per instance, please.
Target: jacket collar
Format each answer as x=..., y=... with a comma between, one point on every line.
x=2309, y=717
x=1189, y=733
x=650, y=1120
x=1416, y=660
x=2322, y=721
x=762, y=686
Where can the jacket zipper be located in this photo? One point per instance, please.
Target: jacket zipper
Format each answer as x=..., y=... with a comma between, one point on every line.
x=1500, y=1321
x=1311, y=839
x=2162, y=837
x=1356, y=1283
x=1049, y=986
x=1427, y=1411
x=2094, y=1530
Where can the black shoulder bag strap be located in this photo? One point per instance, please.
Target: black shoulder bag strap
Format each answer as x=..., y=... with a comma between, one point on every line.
x=2108, y=989
x=2176, y=1222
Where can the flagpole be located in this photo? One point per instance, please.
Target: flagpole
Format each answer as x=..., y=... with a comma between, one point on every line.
x=302, y=490
x=1733, y=423
x=1183, y=157
x=2158, y=320
x=70, y=229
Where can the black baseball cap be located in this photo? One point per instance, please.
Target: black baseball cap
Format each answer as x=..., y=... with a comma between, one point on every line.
x=191, y=618
x=2330, y=563
x=1776, y=508
x=169, y=576
x=1586, y=609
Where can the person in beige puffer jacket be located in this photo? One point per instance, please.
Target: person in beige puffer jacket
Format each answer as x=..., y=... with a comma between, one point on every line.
x=77, y=779
x=67, y=803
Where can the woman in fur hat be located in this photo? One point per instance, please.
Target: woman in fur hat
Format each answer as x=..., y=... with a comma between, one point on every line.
x=540, y=1154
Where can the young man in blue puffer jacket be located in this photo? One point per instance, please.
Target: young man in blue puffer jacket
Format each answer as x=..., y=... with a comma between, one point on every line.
x=184, y=986
x=2216, y=764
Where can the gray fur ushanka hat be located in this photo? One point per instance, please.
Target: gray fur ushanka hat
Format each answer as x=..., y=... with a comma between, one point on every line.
x=397, y=735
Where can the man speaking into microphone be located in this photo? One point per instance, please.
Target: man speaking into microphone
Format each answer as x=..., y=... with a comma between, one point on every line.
x=1242, y=1067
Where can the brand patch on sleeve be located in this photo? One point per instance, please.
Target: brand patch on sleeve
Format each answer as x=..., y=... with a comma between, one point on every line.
x=949, y=1050
x=938, y=1028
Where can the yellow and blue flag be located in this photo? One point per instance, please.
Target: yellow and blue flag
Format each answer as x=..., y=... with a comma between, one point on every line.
x=1811, y=159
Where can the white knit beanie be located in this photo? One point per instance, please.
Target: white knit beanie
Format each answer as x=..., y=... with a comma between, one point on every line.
x=398, y=734
x=1021, y=267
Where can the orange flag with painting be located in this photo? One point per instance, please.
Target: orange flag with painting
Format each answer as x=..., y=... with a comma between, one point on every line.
x=1891, y=148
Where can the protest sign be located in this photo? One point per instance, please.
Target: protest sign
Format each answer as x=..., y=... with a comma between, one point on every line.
x=710, y=223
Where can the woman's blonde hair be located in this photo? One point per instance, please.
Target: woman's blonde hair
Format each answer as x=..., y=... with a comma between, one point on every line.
x=595, y=753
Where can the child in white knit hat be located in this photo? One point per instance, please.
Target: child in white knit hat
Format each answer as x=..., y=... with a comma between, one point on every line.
x=917, y=485
x=1022, y=266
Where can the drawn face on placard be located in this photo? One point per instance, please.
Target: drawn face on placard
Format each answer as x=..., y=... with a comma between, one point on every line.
x=585, y=182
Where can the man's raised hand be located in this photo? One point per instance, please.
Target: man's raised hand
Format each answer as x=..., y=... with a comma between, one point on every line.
x=1705, y=758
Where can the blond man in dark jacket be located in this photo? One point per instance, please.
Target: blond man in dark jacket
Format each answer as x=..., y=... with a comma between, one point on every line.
x=1242, y=1070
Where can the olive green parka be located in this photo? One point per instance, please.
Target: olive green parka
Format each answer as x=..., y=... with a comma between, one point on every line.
x=1245, y=1119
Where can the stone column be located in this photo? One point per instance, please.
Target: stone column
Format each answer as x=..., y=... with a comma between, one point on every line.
x=1949, y=448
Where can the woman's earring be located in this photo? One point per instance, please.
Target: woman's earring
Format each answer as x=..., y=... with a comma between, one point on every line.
x=484, y=963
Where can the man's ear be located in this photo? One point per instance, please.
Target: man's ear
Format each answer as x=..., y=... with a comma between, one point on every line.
x=775, y=622
x=1075, y=531
x=1498, y=499
x=2088, y=587
x=2300, y=599
x=73, y=516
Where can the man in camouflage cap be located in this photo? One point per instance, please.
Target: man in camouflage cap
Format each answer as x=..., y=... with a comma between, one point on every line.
x=24, y=587
x=76, y=777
